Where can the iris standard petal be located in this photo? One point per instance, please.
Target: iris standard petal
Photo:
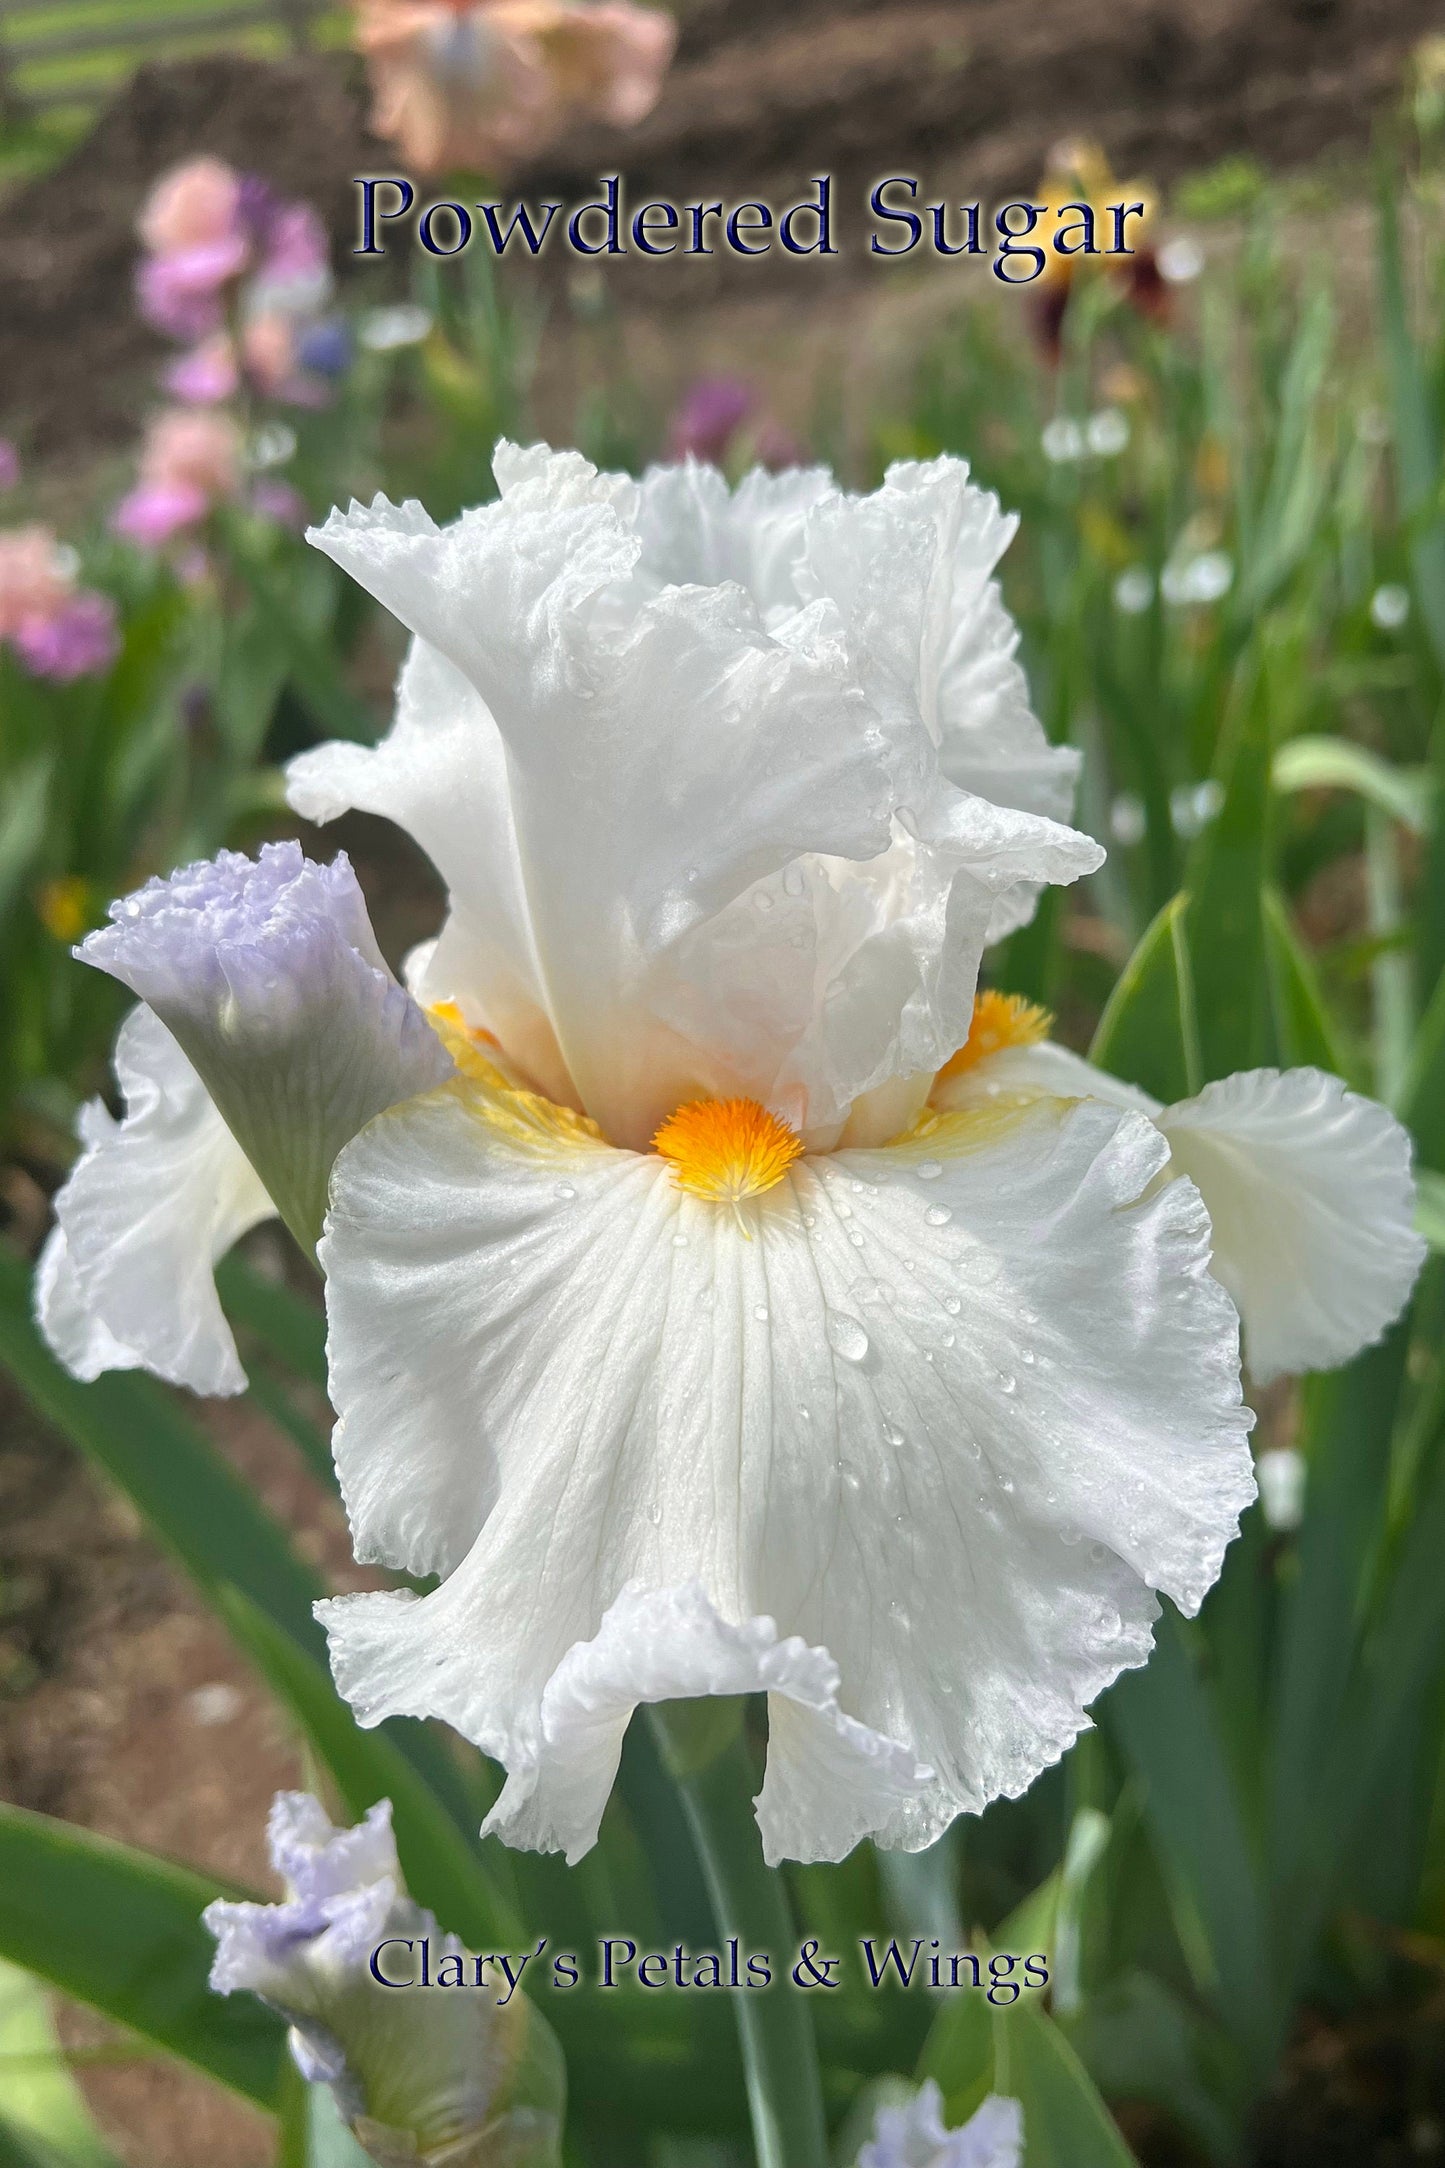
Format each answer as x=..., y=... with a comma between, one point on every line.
x=681, y=760
x=441, y=774
x=267, y=973
x=948, y=1412
x=127, y=1278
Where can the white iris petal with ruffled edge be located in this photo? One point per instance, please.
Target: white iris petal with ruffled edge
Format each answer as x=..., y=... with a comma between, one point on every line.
x=1308, y=1186
x=915, y=2136
x=153, y=1203
x=906, y=1442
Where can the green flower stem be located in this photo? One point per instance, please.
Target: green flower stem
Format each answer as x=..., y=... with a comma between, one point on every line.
x=702, y=1748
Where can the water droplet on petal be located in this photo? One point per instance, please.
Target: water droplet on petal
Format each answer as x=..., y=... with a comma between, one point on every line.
x=793, y=881
x=565, y=1189
x=952, y=1304
x=679, y=1242
x=1007, y=1383
x=846, y=1336
x=893, y=1434
x=654, y=1513
x=760, y=1312
x=928, y=1170
x=763, y=900
x=938, y=1215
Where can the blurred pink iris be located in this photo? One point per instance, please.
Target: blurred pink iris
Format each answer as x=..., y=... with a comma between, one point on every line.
x=189, y=463
x=58, y=630
x=483, y=85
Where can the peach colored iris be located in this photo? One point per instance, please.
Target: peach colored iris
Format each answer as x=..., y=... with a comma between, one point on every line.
x=33, y=582
x=194, y=206
x=483, y=86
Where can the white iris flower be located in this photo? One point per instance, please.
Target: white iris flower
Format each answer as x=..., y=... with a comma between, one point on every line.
x=670, y=1324
x=914, y=2136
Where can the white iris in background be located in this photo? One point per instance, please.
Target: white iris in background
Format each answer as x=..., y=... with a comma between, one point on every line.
x=670, y=1323
x=467, y=2075
x=914, y=2136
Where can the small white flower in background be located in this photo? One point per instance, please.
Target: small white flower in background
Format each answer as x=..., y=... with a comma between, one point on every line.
x=1282, y=1473
x=1127, y=824
x=385, y=331
x=1063, y=440
x=1107, y=432
x=1102, y=436
x=273, y=444
x=1308, y=1185
x=459, y=2075
x=1197, y=580
x=1192, y=806
x=1134, y=590
x=675, y=1305
x=1389, y=607
x=1181, y=260
x=914, y=2136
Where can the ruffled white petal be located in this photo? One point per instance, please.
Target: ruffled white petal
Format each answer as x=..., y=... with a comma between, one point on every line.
x=683, y=759
x=126, y=1280
x=915, y=2136
x=671, y=1645
x=269, y=977
x=1313, y=1202
x=951, y=1415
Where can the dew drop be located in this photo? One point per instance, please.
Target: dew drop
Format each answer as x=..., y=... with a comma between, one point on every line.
x=1007, y=1382
x=892, y=1434
x=857, y=1188
x=949, y=1338
x=760, y=1312
x=928, y=1170
x=938, y=1215
x=762, y=900
x=679, y=1242
x=855, y=1238
x=1006, y=1486
x=1027, y=1356
x=952, y=1304
x=565, y=1189
x=846, y=1336
x=793, y=881
x=654, y=1513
